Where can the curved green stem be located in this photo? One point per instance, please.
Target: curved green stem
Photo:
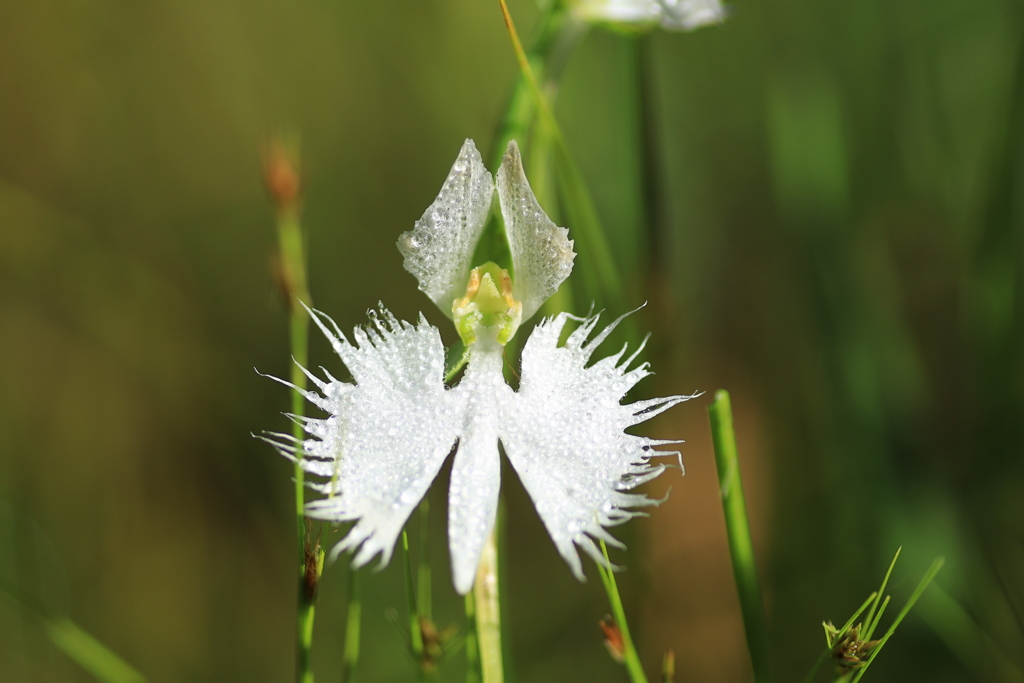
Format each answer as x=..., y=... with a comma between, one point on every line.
x=630, y=657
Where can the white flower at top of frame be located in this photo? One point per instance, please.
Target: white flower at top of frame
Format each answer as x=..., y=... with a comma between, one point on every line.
x=673, y=15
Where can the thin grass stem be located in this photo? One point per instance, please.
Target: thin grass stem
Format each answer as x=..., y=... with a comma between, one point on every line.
x=293, y=262
x=600, y=273
x=741, y=548
x=283, y=180
x=871, y=620
x=630, y=657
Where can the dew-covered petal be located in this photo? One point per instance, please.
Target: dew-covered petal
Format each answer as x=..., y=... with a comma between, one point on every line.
x=542, y=252
x=563, y=432
x=439, y=249
x=386, y=435
x=476, y=472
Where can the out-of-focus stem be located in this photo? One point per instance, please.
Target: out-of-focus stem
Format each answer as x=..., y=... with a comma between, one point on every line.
x=81, y=647
x=415, y=629
x=293, y=272
x=281, y=174
x=741, y=548
x=424, y=602
x=488, y=613
x=352, y=627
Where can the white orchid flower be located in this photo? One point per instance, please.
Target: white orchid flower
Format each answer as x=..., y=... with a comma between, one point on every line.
x=388, y=432
x=672, y=15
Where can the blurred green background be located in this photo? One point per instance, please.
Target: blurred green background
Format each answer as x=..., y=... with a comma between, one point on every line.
x=823, y=202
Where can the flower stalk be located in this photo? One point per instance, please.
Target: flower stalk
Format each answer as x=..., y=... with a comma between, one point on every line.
x=488, y=614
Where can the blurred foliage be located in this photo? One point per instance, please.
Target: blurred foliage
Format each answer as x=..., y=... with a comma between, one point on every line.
x=822, y=202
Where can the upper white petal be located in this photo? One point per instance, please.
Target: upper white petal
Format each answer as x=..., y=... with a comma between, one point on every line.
x=386, y=435
x=542, y=252
x=564, y=434
x=439, y=249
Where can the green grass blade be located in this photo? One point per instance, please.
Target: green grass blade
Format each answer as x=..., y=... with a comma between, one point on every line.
x=852, y=620
x=871, y=619
x=921, y=586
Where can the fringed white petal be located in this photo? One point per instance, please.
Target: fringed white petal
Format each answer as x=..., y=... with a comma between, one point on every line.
x=563, y=432
x=542, y=252
x=386, y=435
x=476, y=472
x=439, y=249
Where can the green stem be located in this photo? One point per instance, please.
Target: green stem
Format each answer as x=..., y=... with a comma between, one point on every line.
x=293, y=274
x=630, y=657
x=352, y=628
x=488, y=613
x=304, y=669
x=741, y=549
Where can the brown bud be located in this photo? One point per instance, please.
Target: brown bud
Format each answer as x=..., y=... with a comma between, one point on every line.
x=281, y=174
